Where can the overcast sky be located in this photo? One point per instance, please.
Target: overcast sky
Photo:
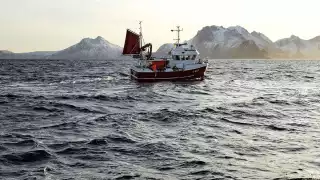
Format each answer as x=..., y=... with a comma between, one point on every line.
x=37, y=25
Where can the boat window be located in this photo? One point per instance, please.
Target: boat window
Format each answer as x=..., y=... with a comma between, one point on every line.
x=176, y=57
x=194, y=57
x=187, y=57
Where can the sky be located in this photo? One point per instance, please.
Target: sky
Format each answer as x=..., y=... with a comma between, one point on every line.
x=50, y=25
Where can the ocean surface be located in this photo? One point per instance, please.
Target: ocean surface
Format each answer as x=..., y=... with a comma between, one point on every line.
x=249, y=119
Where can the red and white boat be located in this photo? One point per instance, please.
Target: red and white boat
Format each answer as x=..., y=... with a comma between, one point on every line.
x=182, y=63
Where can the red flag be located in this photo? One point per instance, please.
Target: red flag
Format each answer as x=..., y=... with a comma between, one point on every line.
x=132, y=43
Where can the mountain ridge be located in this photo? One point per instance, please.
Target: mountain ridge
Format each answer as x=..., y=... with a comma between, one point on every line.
x=211, y=41
x=237, y=42
x=89, y=48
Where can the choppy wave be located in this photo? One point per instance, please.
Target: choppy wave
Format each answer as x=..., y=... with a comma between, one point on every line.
x=26, y=157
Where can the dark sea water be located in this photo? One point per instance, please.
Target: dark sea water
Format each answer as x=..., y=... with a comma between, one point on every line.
x=250, y=119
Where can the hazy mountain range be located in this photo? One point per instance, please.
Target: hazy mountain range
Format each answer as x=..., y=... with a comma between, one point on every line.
x=87, y=48
x=211, y=42
x=237, y=42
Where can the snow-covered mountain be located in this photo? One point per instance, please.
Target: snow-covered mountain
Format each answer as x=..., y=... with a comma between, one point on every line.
x=231, y=42
x=230, y=37
x=88, y=48
x=294, y=46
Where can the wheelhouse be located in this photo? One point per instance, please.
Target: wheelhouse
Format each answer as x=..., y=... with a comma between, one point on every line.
x=184, y=52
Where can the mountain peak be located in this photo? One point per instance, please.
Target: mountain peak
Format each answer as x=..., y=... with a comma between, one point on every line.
x=255, y=33
x=99, y=38
x=239, y=29
x=294, y=37
x=93, y=42
x=85, y=40
x=89, y=48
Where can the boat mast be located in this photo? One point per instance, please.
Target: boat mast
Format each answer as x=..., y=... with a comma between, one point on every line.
x=178, y=31
x=140, y=39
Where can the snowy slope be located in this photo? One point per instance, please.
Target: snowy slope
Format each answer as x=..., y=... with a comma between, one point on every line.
x=294, y=45
x=221, y=42
x=164, y=50
x=88, y=48
x=230, y=37
x=262, y=40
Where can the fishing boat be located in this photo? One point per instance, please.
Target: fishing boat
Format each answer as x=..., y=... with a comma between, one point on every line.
x=182, y=63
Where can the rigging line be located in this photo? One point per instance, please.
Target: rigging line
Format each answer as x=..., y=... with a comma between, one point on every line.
x=143, y=42
x=133, y=48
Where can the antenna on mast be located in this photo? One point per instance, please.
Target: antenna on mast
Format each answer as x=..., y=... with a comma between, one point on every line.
x=178, y=31
x=140, y=23
x=140, y=39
